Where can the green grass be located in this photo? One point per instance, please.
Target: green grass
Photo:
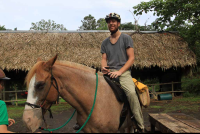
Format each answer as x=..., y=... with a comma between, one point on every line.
x=157, y=107
x=17, y=111
x=189, y=99
x=183, y=104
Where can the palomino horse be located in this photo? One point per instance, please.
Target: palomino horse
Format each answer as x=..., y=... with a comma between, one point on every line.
x=76, y=84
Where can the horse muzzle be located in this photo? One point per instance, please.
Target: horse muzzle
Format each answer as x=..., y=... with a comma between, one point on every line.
x=32, y=118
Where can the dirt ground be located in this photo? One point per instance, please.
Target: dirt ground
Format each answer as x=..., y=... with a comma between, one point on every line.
x=61, y=117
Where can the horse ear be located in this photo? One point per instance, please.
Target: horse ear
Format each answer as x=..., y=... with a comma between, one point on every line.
x=39, y=59
x=48, y=65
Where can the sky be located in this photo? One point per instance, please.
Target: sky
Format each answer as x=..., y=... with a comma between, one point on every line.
x=21, y=13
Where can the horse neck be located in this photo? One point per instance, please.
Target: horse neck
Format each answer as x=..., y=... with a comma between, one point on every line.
x=77, y=87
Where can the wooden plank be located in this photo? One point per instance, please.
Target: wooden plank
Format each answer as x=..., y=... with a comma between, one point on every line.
x=172, y=89
x=14, y=100
x=14, y=91
x=188, y=120
x=155, y=123
x=168, y=92
x=154, y=93
x=0, y=95
x=163, y=83
x=4, y=95
x=16, y=96
x=168, y=124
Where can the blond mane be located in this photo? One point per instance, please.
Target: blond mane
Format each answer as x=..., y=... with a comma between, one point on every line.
x=75, y=65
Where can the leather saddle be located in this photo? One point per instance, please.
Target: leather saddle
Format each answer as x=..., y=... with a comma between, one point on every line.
x=120, y=95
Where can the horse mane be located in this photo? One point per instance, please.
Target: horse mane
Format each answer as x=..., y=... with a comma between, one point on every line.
x=59, y=63
x=75, y=66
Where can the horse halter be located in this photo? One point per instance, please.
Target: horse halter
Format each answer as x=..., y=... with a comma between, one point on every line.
x=42, y=104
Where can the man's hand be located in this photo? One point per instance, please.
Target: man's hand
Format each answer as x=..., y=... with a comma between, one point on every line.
x=105, y=71
x=115, y=74
x=11, y=122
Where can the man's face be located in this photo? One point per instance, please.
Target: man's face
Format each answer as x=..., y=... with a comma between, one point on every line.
x=113, y=25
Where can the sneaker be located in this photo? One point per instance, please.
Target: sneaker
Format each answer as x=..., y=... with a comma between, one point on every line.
x=140, y=130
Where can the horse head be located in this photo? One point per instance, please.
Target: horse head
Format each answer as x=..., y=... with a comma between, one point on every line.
x=41, y=93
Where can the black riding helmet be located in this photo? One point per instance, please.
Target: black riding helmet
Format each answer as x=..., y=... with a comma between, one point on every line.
x=3, y=76
x=113, y=15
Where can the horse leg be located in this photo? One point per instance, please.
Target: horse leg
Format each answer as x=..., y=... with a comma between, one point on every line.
x=130, y=129
x=122, y=131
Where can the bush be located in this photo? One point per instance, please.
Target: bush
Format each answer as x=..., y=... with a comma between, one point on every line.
x=187, y=94
x=192, y=87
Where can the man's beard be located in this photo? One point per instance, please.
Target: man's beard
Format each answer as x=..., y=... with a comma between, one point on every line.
x=113, y=32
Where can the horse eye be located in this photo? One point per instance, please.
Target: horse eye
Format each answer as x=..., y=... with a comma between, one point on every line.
x=40, y=85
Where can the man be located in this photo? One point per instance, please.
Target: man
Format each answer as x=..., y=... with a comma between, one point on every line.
x=5, y=122
x=118, y=54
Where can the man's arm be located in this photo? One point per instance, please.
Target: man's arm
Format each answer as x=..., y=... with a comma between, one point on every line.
x=4, y=129
x=129, y=63
x=104, y=64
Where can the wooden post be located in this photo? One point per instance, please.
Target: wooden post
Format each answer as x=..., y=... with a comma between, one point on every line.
x=0, y=95
x=154, y=92
x=4, y=95
x=172, y=89
x=16, y=96
x=152, y=128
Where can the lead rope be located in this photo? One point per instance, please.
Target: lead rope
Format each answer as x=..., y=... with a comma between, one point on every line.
x=92, y=106
x=51, y=130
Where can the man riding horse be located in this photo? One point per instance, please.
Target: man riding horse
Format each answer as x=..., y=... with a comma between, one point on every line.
x=118, y=55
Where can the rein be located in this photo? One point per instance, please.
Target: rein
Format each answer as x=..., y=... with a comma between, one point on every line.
x=51, y=130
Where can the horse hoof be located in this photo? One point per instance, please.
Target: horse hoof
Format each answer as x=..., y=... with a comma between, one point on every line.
x=76, y=127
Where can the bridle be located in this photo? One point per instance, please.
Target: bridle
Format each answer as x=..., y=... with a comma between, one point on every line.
x=43, y=103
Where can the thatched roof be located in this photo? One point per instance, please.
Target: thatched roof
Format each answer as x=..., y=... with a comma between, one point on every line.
x=20, y=50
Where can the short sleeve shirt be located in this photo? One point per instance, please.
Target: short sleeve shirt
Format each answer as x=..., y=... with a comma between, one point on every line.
x=116, y=53
x=3, y=113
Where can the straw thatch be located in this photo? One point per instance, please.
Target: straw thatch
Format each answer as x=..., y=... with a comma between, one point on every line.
x=21, y=50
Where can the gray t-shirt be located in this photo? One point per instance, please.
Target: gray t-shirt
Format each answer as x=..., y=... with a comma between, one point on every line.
x=116, y=53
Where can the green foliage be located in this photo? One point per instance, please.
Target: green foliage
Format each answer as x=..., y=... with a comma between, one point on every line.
x=2, y=27
x=127, y=26
x=151, y=81
x=101, y=24
x=147, y=28
x=88, y=23
x=192, y=87
x=177, y=15
x=130, y=26
x=182, y=10
x=47, y=25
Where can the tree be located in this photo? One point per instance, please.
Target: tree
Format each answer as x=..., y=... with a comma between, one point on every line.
x=47, y=25
x=101, y=24
x=182, y=10
x=176, y=15
x=2, y=27
x=147, y=28
x=88, y=23
x=127, y=26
